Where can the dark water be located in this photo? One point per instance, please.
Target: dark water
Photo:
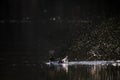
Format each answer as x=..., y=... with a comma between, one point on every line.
x=28, y=70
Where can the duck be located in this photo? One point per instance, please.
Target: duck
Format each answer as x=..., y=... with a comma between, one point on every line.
x=52, y=60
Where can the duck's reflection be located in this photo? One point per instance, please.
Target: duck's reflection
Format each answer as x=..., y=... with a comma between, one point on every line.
x=63, y=67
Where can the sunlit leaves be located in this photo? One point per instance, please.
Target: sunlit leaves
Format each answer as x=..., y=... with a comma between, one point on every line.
x=100, y=40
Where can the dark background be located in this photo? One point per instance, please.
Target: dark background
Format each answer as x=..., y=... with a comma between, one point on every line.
x=42, y=24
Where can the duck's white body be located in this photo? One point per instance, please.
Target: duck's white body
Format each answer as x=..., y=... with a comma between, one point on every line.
x=61, y=62
x=57, y=63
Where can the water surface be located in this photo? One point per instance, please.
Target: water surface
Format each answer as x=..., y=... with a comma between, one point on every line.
x=28, y=70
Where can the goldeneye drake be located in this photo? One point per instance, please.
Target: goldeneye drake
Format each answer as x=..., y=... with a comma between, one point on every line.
x=52, y=60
